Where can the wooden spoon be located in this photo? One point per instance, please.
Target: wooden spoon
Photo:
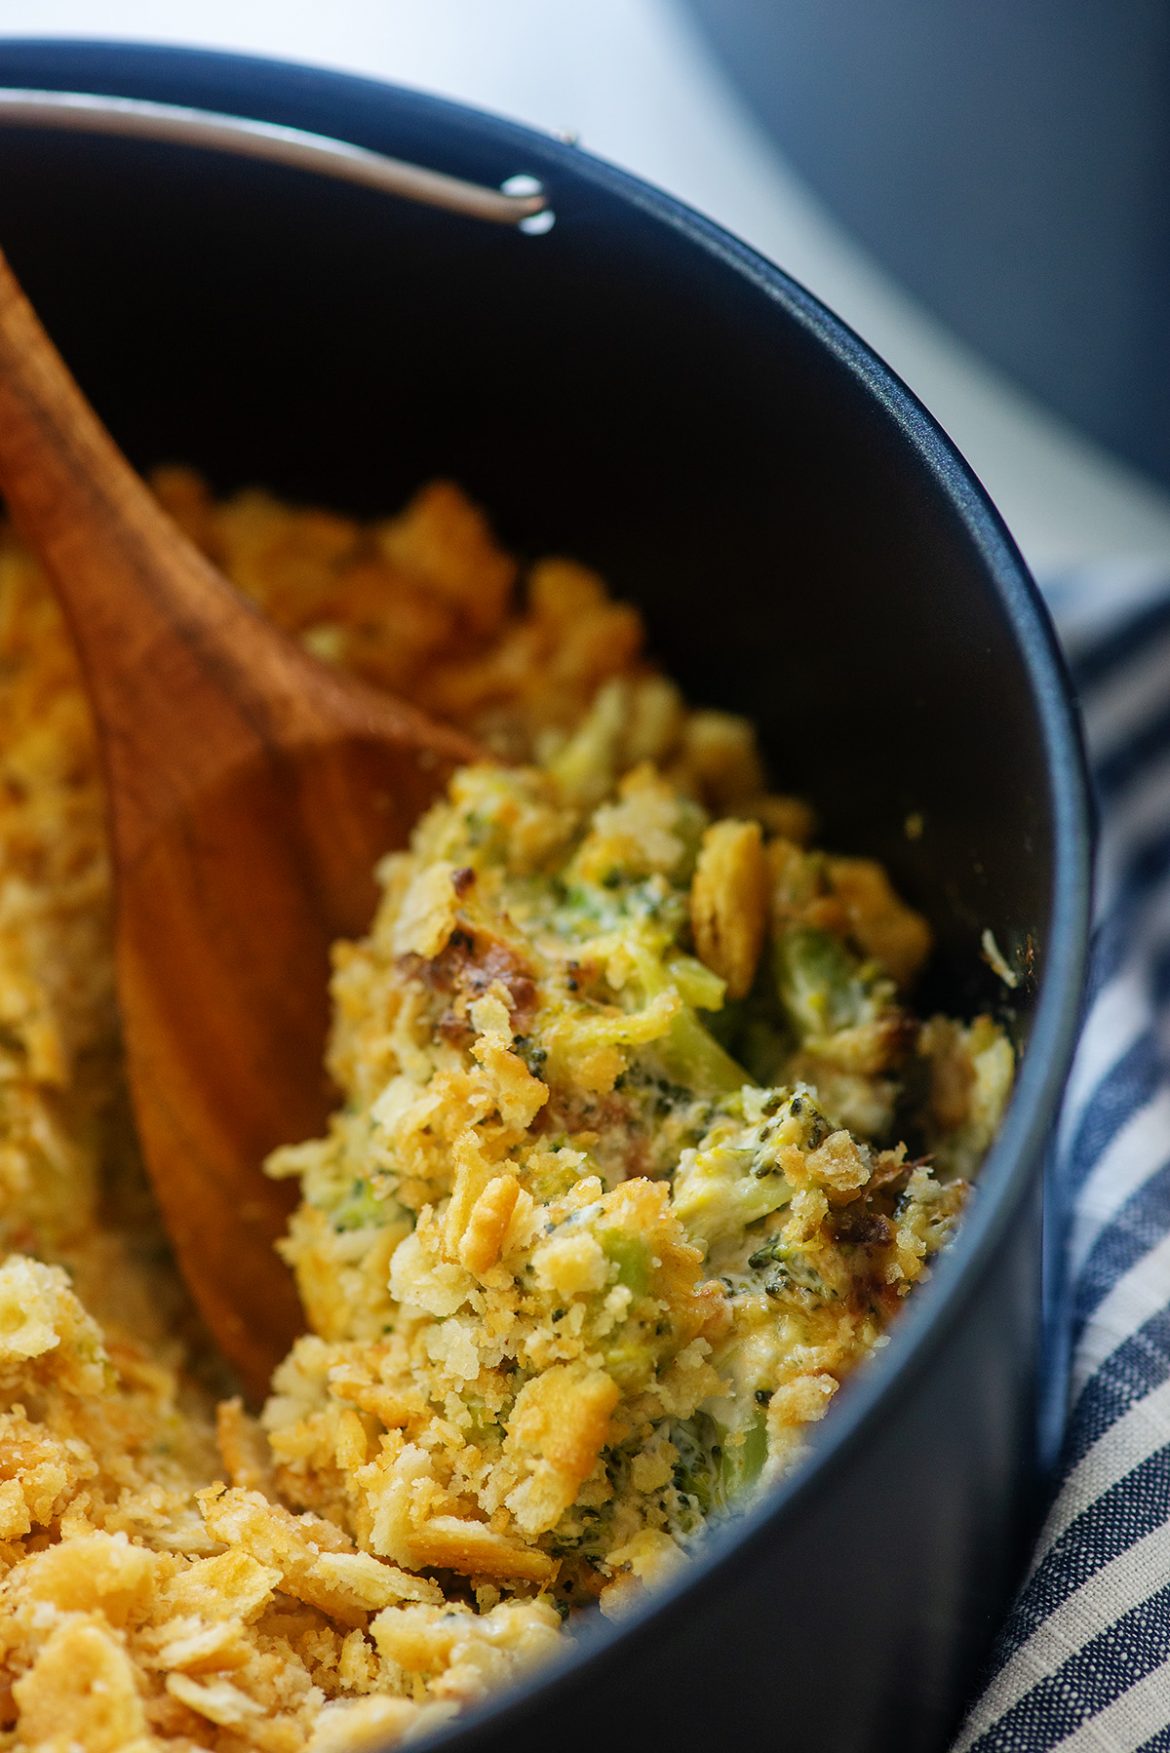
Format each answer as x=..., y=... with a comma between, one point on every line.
x=251, y=791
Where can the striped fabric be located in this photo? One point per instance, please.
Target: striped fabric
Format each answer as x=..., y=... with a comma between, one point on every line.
x=1084, y=1660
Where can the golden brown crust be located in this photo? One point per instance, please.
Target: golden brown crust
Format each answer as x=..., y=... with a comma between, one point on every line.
x=729, y=902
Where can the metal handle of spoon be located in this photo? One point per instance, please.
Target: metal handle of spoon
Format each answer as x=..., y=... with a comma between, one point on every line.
x=520, y=201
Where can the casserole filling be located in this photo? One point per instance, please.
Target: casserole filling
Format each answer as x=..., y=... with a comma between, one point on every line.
x=639, y=1147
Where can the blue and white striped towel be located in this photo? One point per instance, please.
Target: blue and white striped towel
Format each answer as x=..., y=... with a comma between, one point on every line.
x=1084, y=1660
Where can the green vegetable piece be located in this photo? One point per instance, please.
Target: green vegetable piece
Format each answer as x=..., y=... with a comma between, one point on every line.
x=742, y=1461
x=484, y=1425
x=360, y=1209
x=716, y=1467
x=630, y=1255
x=696, y=984
x=791, y=1270
x=693, y=1471
x=631, y=1364
x=691, y=1056
x=554, y=1181
x=817, y=982
x=716, y=1195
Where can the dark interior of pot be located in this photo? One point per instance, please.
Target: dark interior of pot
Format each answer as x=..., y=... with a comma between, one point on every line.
x=605, y=390
x=619, y=390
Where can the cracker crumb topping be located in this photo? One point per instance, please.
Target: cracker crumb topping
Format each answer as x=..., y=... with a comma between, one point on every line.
x=640, y=1147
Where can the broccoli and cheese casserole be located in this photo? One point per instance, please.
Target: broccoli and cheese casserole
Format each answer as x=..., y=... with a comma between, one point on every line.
x=639, y=1147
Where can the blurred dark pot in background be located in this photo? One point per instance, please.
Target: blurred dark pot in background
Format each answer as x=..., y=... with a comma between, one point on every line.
x=1009, y=160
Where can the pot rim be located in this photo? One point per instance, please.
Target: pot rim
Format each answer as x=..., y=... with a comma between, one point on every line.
x=296, y=94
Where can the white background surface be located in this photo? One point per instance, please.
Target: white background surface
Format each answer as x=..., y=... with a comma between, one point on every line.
x=635, y=83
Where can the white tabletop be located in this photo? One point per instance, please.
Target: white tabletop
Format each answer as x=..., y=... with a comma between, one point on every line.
x=634, y=82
